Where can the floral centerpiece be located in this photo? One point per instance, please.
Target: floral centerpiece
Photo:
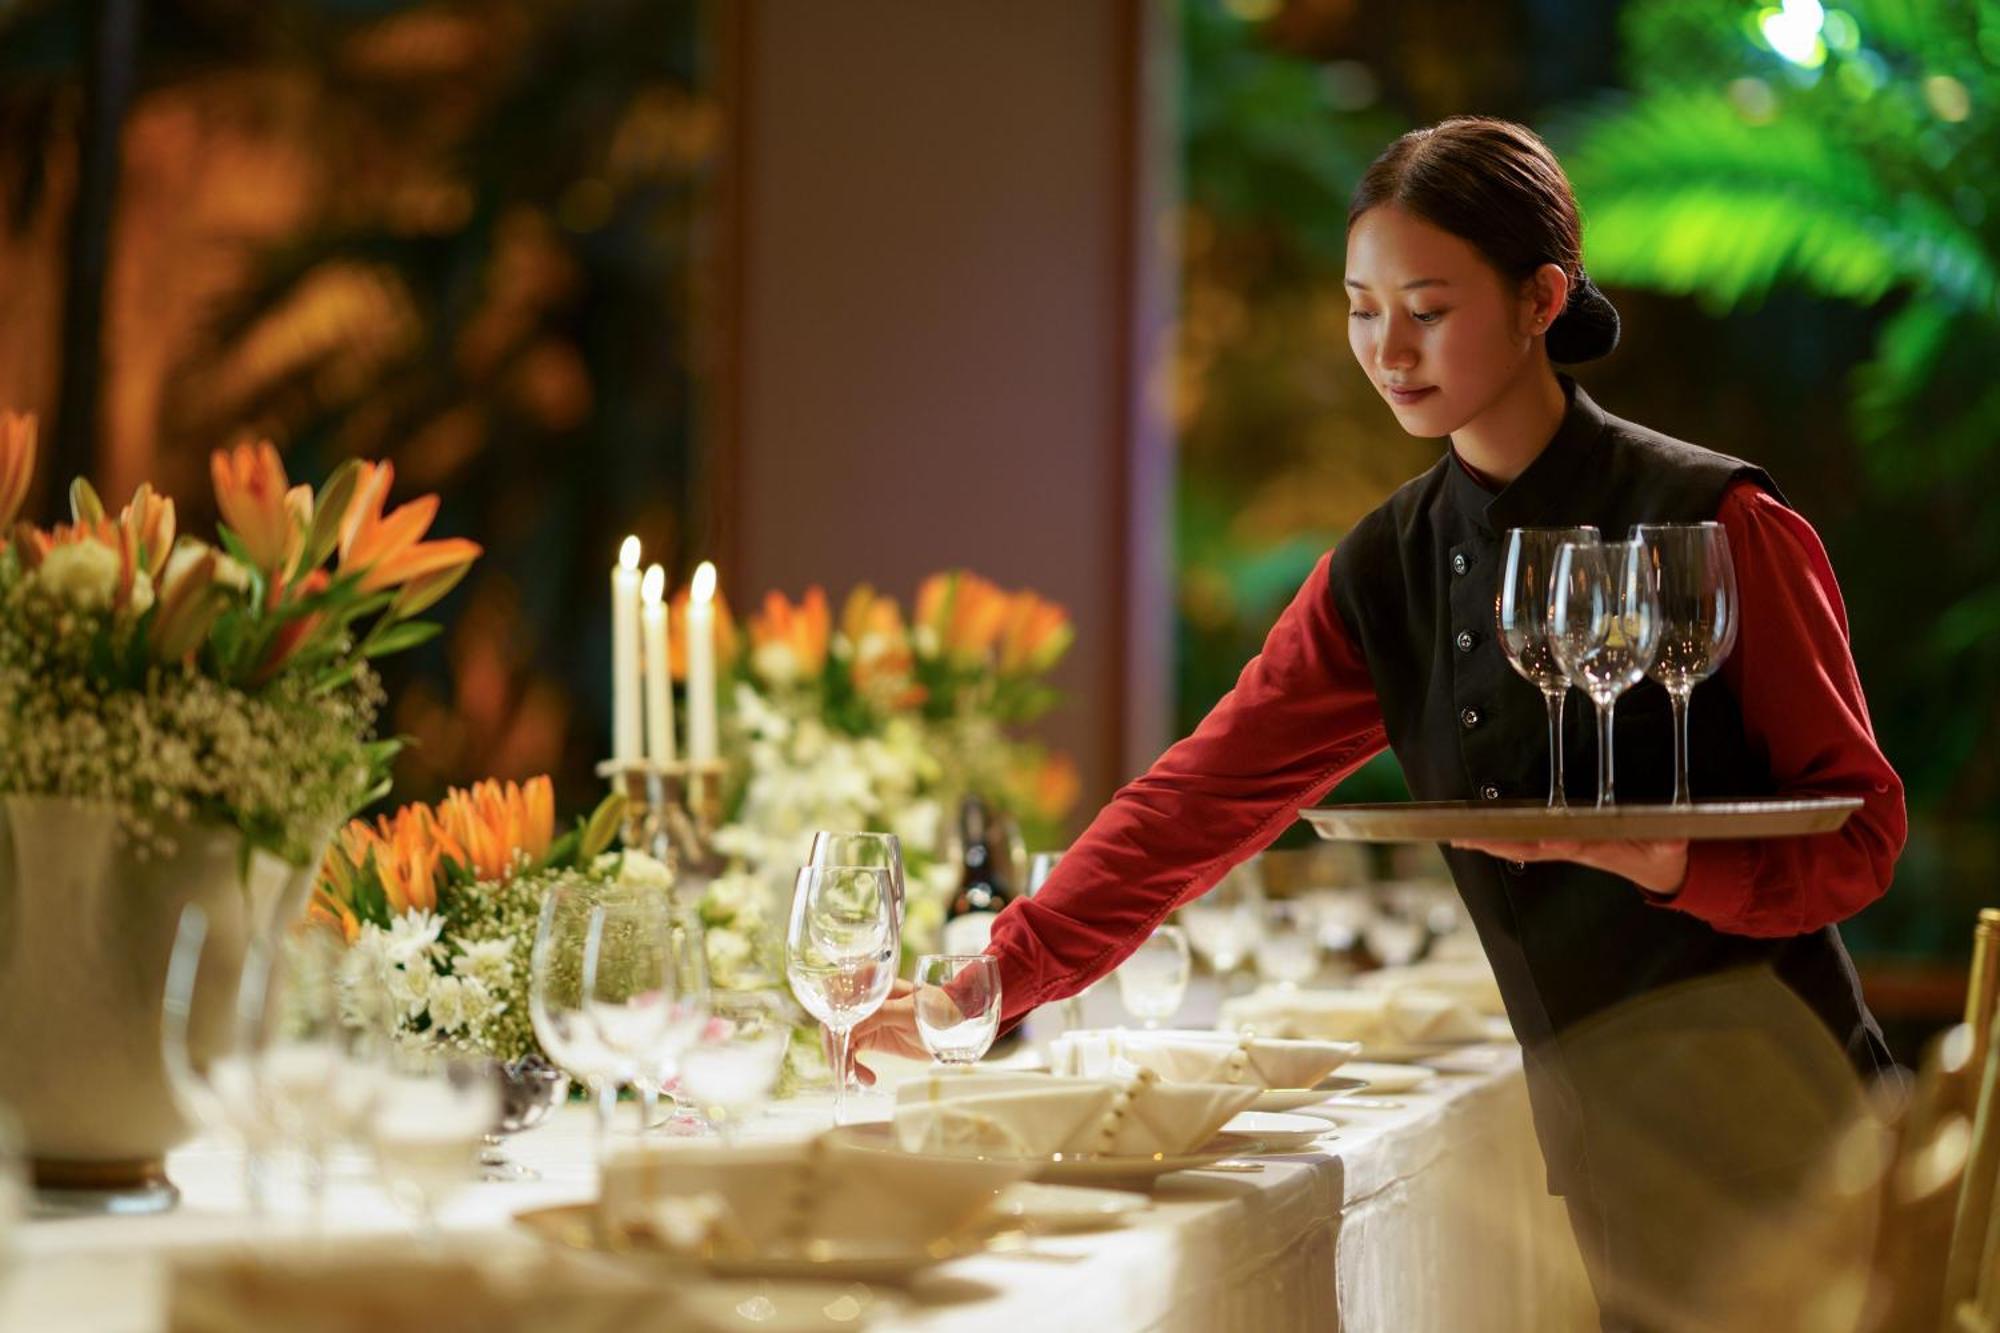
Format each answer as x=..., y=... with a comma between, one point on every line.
x=181, y=722
x=878, y=721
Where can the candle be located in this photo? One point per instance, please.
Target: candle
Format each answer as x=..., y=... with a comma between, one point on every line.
x=625, y=653
x=702, y=726
x=659, y=694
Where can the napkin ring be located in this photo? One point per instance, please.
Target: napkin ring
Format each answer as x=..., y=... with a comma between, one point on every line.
x=1113, y=1118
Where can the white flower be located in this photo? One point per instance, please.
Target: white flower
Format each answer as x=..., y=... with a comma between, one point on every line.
x=447, y=1004
x=487, y=962
x=635, y=868
x=917, y=823
x=413, y=938
x=776, y=663
x=84, y=573
x=410, y=988
x=728, y=954
x=188, y=551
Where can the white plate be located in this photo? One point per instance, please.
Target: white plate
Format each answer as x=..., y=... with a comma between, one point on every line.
x=1067, y=1207
x=1280, y=1133
x=1387, y=1079
x=1137, y=1171
x=1291, y=1099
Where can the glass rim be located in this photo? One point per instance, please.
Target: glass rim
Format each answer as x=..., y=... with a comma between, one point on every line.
x=1701, y=526
x=1555, y=527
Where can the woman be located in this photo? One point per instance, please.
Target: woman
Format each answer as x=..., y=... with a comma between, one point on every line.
x=1465, y=273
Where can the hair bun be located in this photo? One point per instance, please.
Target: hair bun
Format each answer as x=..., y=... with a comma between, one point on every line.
x=1588, y=326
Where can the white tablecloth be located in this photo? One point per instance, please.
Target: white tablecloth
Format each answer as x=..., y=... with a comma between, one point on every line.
x=1428, y=1214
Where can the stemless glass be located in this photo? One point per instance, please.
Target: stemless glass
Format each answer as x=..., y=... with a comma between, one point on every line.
x=433, y=1109
x=957, y=1001
x=1604, y=623
x=733, y=1066
x=1521, y=612
x=1153, y=981
x=556, y=1002
x=840, y=953
x=1696, y=579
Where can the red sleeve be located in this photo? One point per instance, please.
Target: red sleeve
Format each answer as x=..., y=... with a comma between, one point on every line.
x=1795, y=682
x=1302, y=716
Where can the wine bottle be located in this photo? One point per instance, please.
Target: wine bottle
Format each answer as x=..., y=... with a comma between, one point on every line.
x=984, y=879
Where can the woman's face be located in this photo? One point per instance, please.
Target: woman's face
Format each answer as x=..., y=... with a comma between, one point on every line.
x=1429, y=314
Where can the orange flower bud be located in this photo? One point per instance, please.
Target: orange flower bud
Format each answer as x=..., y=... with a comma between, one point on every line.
x=17, y=462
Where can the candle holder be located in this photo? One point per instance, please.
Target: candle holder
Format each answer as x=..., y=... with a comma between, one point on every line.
x=671, y=813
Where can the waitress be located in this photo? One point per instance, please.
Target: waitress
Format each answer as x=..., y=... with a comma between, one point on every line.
x=1655, y=986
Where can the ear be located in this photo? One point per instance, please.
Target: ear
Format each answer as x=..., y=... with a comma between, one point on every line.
x=1543, y=296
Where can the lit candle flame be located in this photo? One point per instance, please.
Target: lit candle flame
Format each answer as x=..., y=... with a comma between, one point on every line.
x=628, y=553
x=703, y=587
x=654, y=587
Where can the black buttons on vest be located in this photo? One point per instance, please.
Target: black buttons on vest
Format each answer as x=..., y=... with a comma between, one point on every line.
x=1489, y=793
x=1459, y=564
x=1469, y=718
x=1466, y=639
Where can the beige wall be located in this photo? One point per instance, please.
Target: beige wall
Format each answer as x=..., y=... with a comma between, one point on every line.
x=947, y=278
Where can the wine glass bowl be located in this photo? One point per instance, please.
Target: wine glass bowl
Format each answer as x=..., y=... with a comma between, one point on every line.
x=1153, y=981
x=1604, y=628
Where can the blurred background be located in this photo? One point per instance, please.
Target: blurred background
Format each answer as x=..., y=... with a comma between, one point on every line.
x=1050, y=289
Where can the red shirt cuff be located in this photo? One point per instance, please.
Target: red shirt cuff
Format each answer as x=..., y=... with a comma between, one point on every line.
x=1719, y=877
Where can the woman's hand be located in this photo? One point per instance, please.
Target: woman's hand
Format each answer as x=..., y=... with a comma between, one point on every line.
x=892, y=1028
x=1659, y=868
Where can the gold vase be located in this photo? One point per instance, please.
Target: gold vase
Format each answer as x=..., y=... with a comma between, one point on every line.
x=86, y=928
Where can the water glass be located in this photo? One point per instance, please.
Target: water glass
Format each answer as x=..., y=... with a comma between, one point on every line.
x=884, y=850
x=841, y=948
x=957, y=1002
x=728, y=1074
x=1154, y=980
x=1696, y=579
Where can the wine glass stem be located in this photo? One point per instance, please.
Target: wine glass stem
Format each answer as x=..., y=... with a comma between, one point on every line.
x=649, y=1103
x=839, y=1075
x=1682, y=796
x=605, y=1094
x=1555, y=701
x=1606, y=795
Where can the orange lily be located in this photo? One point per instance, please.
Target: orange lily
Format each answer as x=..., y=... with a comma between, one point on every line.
x=790, y=643
x=498, y=827
x=17, y=462
x=389, y=550
x=880, y=648
x=959, y=615
x=1035, y=633
x=189, y=605
x=251, y=491
x=1049, y=786
x=406, y=860
x=148, y=523
x=327, y=910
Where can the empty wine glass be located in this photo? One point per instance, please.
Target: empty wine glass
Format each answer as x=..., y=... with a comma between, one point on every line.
x=830, y=848
x=433, y=1109
x=556, y=1001
x=1521, y=612
x=1288, y=951
x=1604, y=623
x=840, y=952
x=1153, y=981
x=1225, y=924
x=645, y=990
x=957, y=1002
x=1696, y=578
x=730, y=1070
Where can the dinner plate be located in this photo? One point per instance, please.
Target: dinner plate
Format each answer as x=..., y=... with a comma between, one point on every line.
x=1051, y=1208
x=789, y=1307
x=1291, y=1099
x=1279, y=1132
x=573, y=1226
x=1534, y=821
x=1389, y=1079
x=1136, y=1170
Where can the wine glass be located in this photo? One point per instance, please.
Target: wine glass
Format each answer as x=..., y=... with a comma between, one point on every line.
x=1696, y=577
x=13, y=1194
x=859, y=849
x=840, y=952
x=433, y=1109
x=1521, y=612
x=1604, y=624
x=957, y=1002
x=733, y=1065
x=1289, y=951
x=557, y=1003
x=645, y=990
x=1225, y=924
x=1153, y=981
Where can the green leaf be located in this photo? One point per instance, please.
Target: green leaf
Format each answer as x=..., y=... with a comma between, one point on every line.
x=84, y=506
x=329, y=508
x=396, y=638
x=601, y=829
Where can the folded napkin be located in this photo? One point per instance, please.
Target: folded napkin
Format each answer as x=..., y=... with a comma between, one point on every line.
x=368, y=1286
x=1470, y=981
x=1201, y=1057
x=1374, y=1018
x=1034, y=1115
x=702, y=1196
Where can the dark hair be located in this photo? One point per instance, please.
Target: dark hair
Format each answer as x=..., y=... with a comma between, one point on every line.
x=1496, y=185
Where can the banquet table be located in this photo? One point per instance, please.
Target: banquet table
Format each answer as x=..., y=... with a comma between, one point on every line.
x=1426, y=1211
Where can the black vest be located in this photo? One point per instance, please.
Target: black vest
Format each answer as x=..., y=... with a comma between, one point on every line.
x=1416, y=584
